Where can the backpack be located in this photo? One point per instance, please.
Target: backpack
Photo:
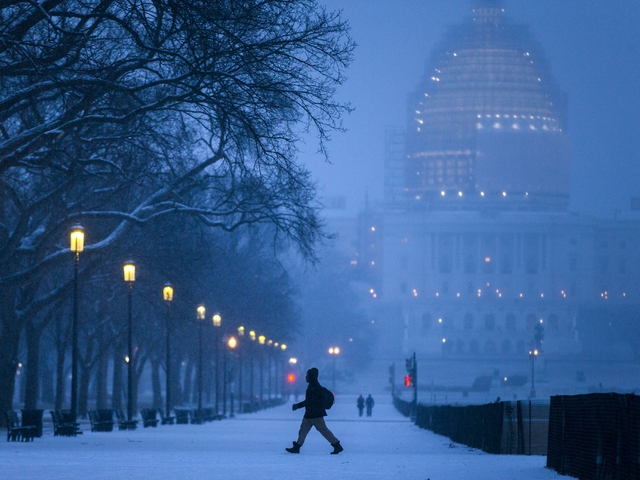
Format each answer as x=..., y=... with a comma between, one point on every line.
x=327, y=398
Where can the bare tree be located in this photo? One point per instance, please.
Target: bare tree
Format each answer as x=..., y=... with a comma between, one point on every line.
x=116, y=113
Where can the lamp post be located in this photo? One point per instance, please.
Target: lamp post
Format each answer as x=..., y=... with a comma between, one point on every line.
x=283, y=347
x=129, y=270
x=200, y=311
x=232, y=343
x=240, y=334
x=533, y=355
x=217, y=323
x=261, y=340
x=167, y=294
x=252, y=336
x=334, y=352
x=76, y=245
x=269, y=358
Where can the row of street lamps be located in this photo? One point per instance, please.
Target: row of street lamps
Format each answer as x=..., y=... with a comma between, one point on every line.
x=129, y=270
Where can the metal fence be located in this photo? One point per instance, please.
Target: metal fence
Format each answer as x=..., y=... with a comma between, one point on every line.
x=503, y=427
x=595, y=436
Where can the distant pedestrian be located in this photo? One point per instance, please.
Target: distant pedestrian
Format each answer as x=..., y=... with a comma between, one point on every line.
x=370, y=403
x=360, y=404
x=314, y=405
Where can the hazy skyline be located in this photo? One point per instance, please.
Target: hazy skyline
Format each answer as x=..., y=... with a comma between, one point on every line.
x=594, y=52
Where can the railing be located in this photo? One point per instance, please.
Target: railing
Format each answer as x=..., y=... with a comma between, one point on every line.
x=595, y=436
x=504, y=427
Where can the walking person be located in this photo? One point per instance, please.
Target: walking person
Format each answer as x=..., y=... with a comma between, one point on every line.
x=370, y=404
x=360, y=404
x=315, y=411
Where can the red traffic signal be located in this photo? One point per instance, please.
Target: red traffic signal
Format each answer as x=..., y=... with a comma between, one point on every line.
x=407, y=380
x=291, y=378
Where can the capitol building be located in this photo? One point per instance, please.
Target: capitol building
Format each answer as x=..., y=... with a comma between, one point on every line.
x=475, y=253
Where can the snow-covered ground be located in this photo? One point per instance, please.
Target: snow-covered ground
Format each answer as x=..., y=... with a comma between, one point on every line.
x=385, y=446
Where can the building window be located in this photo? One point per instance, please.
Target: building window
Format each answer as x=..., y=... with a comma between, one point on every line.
x=520, y=347
x=507, y=253
x=506, y=347
x=510, y=323
x=426, y=323
x=573, y=264
x=489, y=346
x=473, y=347
x=489, y=321
x=445, y=287
x=469, y=287
x=532, y=319
x=603, y=265
x=470, y=253
x=622, y=266
x=488, y=250
x=553, y=323
x=459, y=347
x=531, y=253
x=468, y=321
x=445, y=253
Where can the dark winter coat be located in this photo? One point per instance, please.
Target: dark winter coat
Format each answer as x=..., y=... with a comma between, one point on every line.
x=360, y=401
x=313, y=401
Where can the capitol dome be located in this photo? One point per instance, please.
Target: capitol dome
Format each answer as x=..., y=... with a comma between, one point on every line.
x=488, y=118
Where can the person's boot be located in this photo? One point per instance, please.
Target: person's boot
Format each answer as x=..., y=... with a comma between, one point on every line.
x=337, y=448
x=294, y=449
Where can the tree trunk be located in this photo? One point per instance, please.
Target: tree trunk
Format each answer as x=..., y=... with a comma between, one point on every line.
x=118, y=364
x=61, y=346
x=101, y=376
x=33, y=364
x=9, y=342
x=85, y=377
x=156, y=384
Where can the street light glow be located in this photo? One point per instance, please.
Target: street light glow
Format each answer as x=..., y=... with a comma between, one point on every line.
x=76, y=244
x=129, y=269
x=167, y=292
x=293, y=360
x=262, y=339
x=283, y=347
x=200, y=312
x=241, y=330
x=233, y=343
x=217, y=320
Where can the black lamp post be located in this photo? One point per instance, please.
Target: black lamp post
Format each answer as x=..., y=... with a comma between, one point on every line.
x=533, y=355
x=130, y=277
x=76, y=246
x=232, y=343
x=334, y=352
x=167, y=294
x=261, y=341
x=240, y=334
x=200, y=311
x=217, y=323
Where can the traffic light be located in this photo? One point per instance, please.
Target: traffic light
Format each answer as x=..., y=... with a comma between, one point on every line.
x=291, y=378
x=407, y=380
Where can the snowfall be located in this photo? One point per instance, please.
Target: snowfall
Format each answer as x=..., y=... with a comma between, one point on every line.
x=385, y=445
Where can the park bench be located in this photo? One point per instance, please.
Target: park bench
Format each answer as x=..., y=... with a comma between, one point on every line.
x=149, y=417
x=17, y=432
x=182, y=416
x=101, y=420
x=168, y=420
x=123, y=423
x=63, y=424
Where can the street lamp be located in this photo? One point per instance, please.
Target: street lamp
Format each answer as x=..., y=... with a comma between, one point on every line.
x=76, y=245
x=533, y=355
x=232, y=343
x=252, y=336
x=200, y=311
x=129, y=270
x=240, y=334
x=167, y=295
x=334, y=352
x=261, y=341
x=217, y=323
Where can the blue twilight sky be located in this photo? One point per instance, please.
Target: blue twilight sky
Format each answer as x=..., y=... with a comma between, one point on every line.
x=593, y=47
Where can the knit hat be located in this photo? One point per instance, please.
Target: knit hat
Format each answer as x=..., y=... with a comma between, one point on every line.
x=312, y=373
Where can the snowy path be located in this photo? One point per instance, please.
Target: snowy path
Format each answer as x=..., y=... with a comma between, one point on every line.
x=385, y=446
